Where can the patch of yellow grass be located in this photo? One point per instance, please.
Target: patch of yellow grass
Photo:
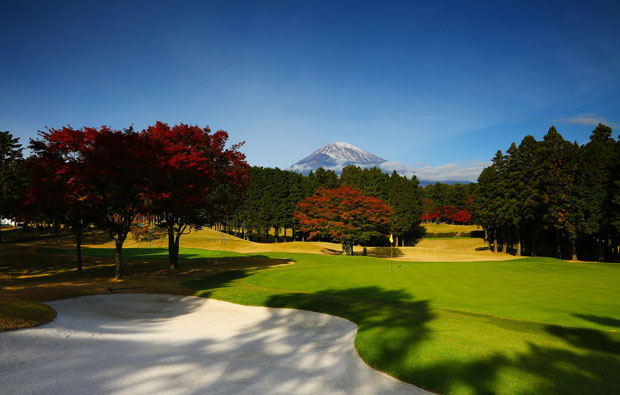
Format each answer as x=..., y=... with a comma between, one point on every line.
x=445, y=250
x=448, y=228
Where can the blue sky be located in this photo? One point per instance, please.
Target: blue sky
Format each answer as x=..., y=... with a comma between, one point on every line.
x=430, y=85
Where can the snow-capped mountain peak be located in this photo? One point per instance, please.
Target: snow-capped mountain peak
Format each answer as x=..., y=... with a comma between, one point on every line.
x=335, y=156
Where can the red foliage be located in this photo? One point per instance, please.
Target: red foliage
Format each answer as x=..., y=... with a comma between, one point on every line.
x=462, y=216
x=189, y=164
x=58, y=173
x=343, y=214
x=429, y=217
x=448, y=214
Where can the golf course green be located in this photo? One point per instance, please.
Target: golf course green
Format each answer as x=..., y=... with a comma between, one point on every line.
x=532, y=325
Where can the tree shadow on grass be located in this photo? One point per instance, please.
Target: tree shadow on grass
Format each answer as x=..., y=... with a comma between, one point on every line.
x=607, y=321
x=589, y=365
x=385, y=252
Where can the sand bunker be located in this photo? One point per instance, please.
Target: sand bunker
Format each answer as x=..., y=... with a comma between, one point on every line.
x=143, y=343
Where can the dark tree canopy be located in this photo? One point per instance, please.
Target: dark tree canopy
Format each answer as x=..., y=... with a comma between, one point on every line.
x=13, y=177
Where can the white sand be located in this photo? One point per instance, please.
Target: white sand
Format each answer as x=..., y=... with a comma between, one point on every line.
x=142, y=343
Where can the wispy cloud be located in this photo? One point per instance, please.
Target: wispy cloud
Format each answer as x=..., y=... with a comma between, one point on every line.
x=587, y=120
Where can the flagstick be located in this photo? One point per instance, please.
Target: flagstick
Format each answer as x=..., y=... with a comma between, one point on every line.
x=391, y=256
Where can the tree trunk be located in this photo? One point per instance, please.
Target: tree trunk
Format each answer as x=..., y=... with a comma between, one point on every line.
x=78, y=250
x=558, y=252
x=534, y=242
x=573, y=249
x=172, y=257
x=396, y=241
x=600, y=249
x=518, y=241
x=489, y=241
x=119, y=259
x=502, y=244
x=495, y=240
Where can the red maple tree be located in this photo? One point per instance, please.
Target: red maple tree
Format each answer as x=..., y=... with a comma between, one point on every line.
x=462, y=217
x=116, y=169
x=195, y=179
x=343, y=215
x=57, y=189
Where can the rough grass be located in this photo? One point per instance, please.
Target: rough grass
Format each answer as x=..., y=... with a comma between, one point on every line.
x=17, y=314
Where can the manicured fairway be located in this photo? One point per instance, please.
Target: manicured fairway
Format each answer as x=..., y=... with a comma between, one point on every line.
x=521, y=326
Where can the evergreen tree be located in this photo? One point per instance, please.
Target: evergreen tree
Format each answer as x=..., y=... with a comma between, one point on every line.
x=404, y=199
x=559, y=170
x=593, y=190
x=487, y=200
x=530, y=196
x=12, y=176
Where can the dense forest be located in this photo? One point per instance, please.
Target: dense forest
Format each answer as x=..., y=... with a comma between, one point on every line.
x=553, y=197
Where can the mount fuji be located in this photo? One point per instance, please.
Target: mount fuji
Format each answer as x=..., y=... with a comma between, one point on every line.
x=335, y=156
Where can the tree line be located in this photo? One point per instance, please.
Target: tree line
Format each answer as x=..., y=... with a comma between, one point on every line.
x=553, y=197
x=549, y=197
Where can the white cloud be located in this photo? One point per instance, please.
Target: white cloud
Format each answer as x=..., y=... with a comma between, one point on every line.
x=468, y=171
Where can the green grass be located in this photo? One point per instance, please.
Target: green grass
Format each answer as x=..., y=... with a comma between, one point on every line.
x=533, y=325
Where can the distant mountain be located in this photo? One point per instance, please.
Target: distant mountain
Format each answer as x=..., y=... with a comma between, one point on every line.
x=335, y=156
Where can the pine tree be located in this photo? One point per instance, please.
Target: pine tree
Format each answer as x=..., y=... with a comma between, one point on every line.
x=13, y=178
x=559, y=170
